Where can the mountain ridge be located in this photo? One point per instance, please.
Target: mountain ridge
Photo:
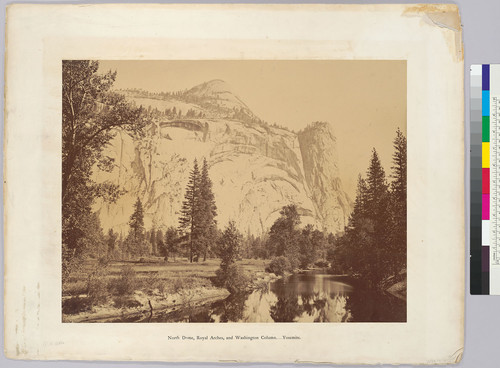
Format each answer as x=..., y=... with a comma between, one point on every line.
x=256, y=168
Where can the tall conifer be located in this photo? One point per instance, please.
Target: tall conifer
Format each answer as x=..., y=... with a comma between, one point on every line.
x=398, y=202
x=189, y=220
x=207, y=211
x=398, y=175
x=137, y=231
x=136, y=222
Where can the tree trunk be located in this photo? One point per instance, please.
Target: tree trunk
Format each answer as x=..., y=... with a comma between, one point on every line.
x=70, y=160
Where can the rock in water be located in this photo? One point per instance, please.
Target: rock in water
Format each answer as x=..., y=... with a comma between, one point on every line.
x=256, y=169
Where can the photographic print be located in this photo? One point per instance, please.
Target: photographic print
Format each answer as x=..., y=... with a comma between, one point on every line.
x=234, y=191
x=167, y=171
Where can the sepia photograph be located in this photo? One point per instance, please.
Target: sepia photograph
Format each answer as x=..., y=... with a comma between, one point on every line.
x=234, y=191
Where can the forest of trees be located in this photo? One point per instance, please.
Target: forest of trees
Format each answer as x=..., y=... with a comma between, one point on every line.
x=374, y=243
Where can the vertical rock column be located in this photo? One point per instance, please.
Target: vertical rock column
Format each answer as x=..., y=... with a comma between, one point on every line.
x=318, y=146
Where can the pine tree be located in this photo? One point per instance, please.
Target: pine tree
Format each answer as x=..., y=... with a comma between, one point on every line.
x=377, y=186
x=152, y=240
x=365, y=249
x=112, y=237
x=207, y=211
x=355, y=250
x=398, y=175
x=137, y=231
x=159, y=242
x=360, y=211
x=398, y=202
x=378, y=203
x=189, y=220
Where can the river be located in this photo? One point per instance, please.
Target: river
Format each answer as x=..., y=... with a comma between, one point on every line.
x=314, y=296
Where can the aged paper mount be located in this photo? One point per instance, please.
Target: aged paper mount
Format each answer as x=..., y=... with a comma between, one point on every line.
x=428, y=37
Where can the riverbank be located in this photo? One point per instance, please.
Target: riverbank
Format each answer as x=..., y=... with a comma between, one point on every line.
x=152, y=287
x=396, y=286
x=140, y=306
x=398, y=290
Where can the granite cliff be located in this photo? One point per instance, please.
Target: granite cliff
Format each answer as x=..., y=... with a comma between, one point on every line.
x=256, y=168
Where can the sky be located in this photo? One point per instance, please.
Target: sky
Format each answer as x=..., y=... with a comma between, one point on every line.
x=363, y=100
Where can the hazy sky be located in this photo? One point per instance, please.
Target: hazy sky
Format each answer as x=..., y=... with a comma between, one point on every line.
x=364, y=101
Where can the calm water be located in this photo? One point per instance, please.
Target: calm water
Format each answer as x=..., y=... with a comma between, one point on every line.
x=311, y=297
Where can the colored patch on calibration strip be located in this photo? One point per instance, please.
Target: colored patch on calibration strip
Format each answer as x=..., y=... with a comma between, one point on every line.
x=485, y=155
x=486, y=181
x=486, y=129
x=486, y=208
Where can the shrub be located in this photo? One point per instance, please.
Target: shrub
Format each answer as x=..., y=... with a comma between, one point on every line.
x=126, y=283
x=75, y=305
x=126, y=302
x=97, y=286
x=150, y=282
x=178, y=284
x=74, y=288
x=233, y=278
x=322, y=263
x=97, y=289
x=279, y=266
x=188, y=283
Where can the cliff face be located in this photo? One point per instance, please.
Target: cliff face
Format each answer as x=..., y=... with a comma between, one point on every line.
x=320, y=162
x=256, y=169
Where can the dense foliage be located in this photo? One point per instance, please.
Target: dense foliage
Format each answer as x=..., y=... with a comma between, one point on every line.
x=91, y=113
x=279, y=266
x=230, y=275
x=374, y=244
x=302, y=248
x=136, y=244
x=284, y=235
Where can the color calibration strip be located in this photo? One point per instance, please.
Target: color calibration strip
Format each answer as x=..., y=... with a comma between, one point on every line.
x=485, y=180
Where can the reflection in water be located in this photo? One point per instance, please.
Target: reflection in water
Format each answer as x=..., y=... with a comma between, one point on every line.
x=311, y=297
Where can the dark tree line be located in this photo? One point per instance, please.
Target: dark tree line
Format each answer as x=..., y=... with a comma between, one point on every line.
x=374, y=244
x=294, y=247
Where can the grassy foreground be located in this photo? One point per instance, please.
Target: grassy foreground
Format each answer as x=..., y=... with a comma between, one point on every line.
x=126, y=289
